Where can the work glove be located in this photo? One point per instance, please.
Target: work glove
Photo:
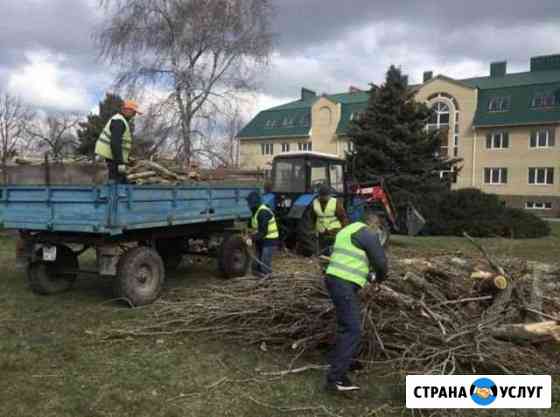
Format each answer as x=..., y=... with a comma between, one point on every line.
x=249, y=242
x=371, y=277
x=122, y=168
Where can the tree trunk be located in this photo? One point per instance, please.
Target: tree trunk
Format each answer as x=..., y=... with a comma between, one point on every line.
x=532, y=332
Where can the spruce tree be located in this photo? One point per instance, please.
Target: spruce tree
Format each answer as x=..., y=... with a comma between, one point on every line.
x=391, y=140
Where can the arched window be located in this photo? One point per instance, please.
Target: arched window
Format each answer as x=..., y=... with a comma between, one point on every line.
x=440, y=116
x=324, y=116
x=445, y=119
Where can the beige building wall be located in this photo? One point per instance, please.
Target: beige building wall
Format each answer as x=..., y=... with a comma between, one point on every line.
x=325, y=116
x=518, y=158
x=466, y=99
x=250, y=151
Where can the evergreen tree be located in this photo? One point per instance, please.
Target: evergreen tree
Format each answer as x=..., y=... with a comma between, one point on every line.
x=89, y=131
x=391, y=140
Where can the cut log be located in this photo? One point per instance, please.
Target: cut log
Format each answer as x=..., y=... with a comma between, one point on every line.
x=141, y=175
x=159, y=169
x=532, y=332
x=491, y=284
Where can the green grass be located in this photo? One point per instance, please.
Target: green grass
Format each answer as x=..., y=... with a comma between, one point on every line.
x=53, y=363
x=545, y=249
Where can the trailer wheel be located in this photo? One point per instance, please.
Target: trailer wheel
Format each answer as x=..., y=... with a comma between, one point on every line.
x=233, y=257
x=306, y=238
x=171, y=251
x=140, y=276
x=50, y=277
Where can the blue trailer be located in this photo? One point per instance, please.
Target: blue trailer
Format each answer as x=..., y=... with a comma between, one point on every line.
x=137, y=232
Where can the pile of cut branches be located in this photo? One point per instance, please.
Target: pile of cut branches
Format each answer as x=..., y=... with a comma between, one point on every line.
x=439, y=315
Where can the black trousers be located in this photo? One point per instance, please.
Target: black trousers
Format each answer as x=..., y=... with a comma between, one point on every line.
x=346, y=300
x=114, y=174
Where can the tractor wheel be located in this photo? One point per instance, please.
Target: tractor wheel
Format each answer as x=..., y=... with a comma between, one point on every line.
x=233, y=257
x=171, y=251
x=50, y=277
x=140, y=276
x=380, y=224
x=306, y=236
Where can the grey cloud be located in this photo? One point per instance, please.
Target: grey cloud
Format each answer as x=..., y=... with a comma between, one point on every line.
x=301, y=24
x=318, y=41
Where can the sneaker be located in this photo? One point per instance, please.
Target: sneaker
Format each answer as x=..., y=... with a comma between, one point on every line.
x=344, y=385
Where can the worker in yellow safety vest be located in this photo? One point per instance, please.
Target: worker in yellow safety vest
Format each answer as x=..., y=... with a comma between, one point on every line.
x=115, y=141
x=357, y=258
x=264, y=234
x=330, y=217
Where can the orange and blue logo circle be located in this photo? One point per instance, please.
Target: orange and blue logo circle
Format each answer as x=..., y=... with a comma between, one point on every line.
x=484, y=391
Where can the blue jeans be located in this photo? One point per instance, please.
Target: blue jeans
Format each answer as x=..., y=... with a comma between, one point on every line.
x=344, y=295
x=264, y=255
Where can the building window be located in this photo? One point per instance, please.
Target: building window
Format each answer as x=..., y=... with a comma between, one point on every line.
x=349, y=147
x=325, y=116
x=304, y=146
x=495, y=175
x=544, y=99
x=541, y=176
x=449, y=175
x=285, y=147
x=497, y=140
x=499, y=104
x=536, y=205
x=287, y=122
x=357, y=115
x=543, y=138
x=267, y=148
x=439, y=117
x=447, y=96
x=305, y=120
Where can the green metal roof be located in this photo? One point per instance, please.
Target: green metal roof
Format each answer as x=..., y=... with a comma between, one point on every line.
x=521, y=111
x=514, y=80
x=347, y=110
x=521, y=87
x=269, y=123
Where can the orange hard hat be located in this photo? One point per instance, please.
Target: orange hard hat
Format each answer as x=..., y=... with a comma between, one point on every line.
x=131, y=105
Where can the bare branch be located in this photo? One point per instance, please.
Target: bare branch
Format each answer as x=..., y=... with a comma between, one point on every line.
x=195, y=49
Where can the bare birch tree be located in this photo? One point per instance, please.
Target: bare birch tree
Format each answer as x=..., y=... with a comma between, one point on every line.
x=202, y=51
x=56, y=133
x=15, y=115
x=219, y=146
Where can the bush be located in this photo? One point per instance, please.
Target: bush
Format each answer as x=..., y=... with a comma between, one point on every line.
x=480, y=215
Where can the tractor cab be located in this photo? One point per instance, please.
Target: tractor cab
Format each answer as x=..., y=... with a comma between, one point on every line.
x=296, y=178
x=303, y=173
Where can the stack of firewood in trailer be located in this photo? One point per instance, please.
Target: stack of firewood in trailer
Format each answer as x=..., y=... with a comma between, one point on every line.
x=147, y=172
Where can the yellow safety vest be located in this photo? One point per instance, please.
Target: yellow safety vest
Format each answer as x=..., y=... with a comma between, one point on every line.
x=349, y=262
x=272, y=231
x=103, y=144
x=326, y=220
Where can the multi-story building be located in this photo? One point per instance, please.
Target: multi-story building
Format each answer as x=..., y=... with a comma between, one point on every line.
x=502, y=126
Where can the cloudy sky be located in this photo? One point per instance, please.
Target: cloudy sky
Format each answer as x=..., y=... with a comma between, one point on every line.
x=48, y=57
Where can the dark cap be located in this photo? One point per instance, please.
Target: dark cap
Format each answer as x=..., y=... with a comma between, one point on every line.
x=254, y=199
x=324, y=190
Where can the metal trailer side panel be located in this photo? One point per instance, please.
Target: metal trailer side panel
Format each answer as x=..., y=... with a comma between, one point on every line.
x=112, y=209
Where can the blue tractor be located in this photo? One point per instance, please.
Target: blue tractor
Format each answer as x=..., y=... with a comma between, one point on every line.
x=296, y=178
